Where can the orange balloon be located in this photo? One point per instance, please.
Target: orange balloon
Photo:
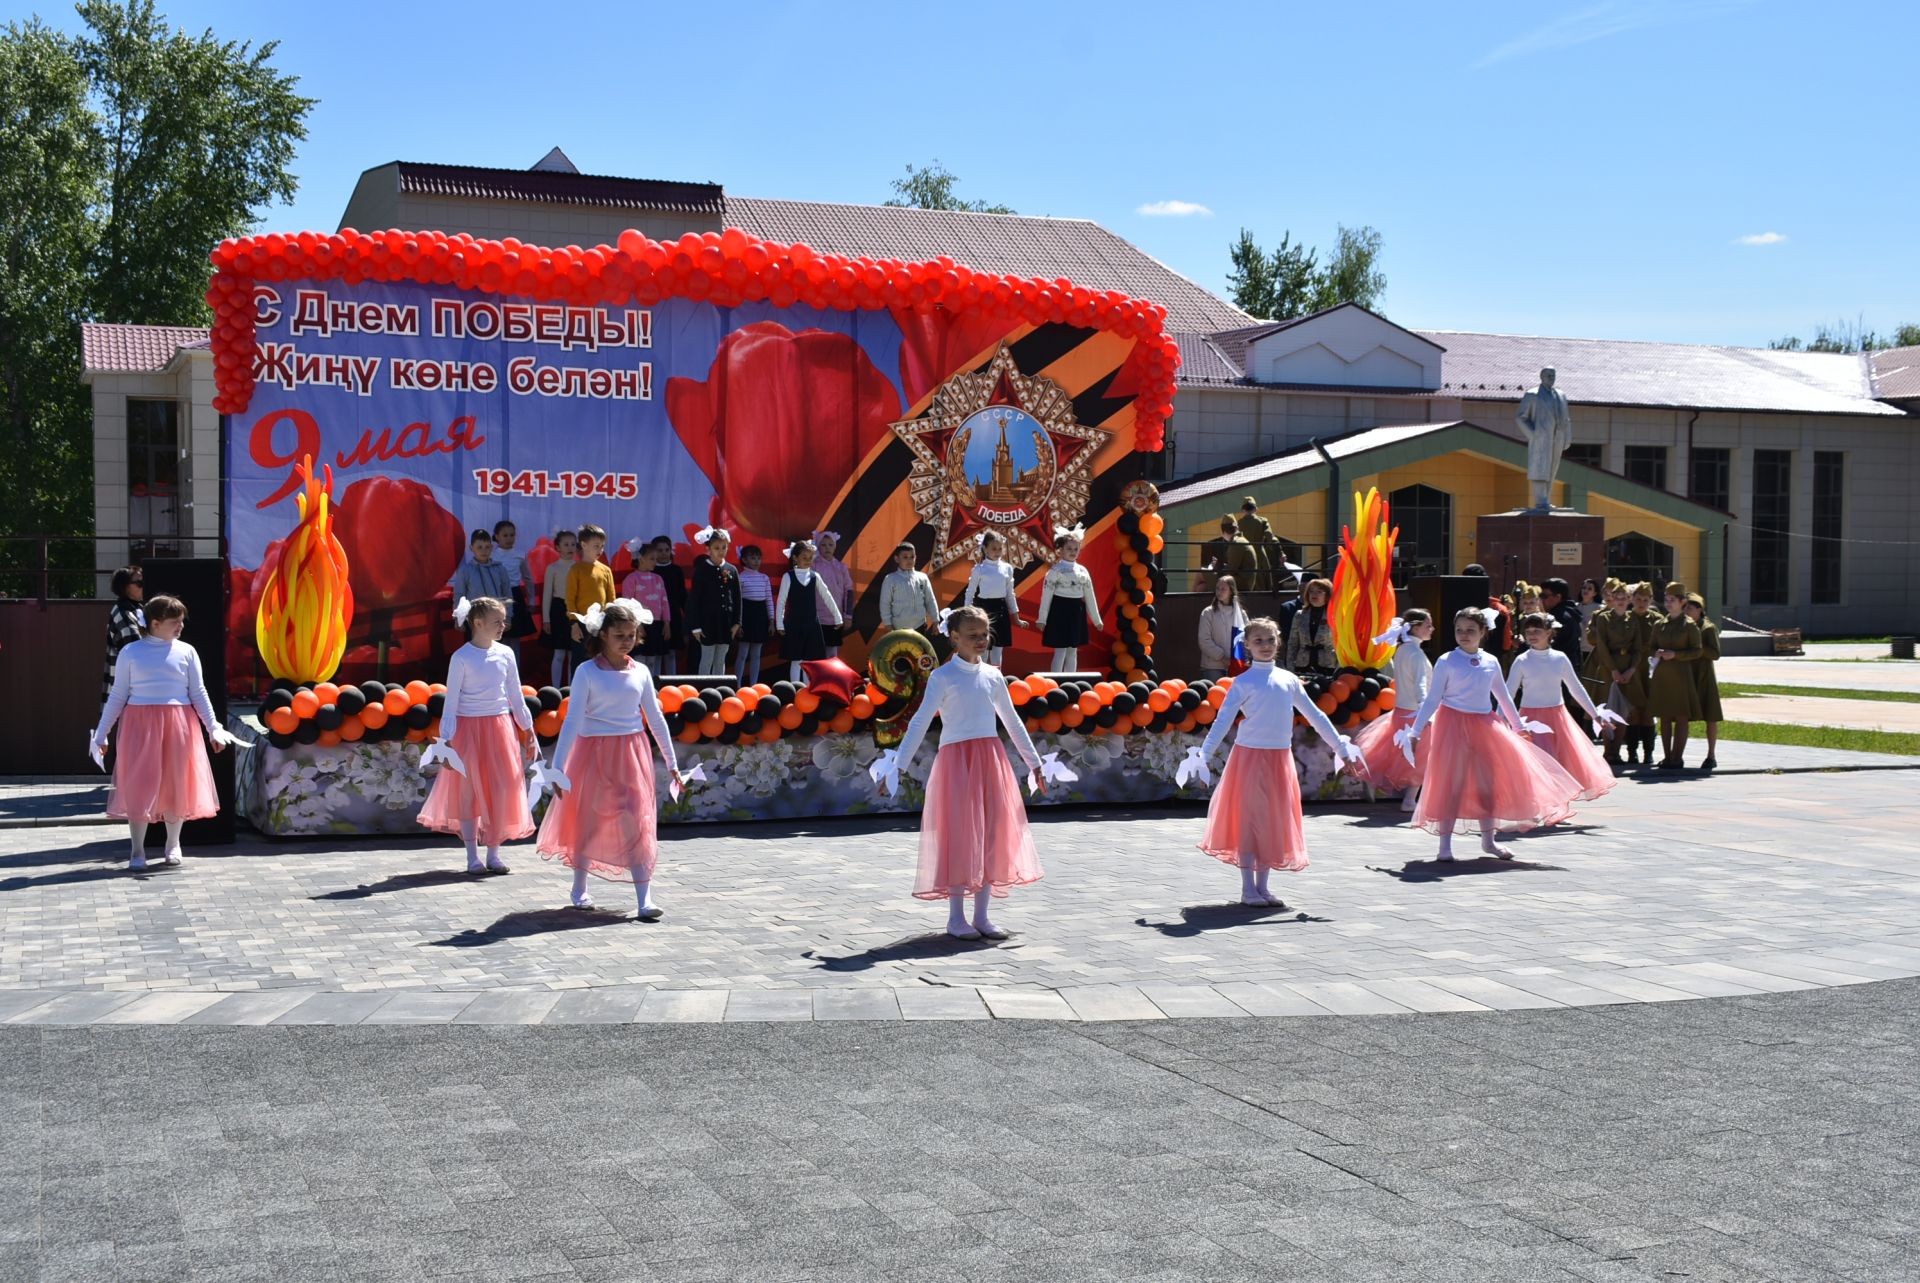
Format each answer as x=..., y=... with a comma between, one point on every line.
x=1123, y=661
x=1088, y=704
x=433, y=729
x=305, y=704
x=732, y=709
x=1051, y=723
x=1387, y=700
x=1159, y=701
x=397, y=703
x=526, y=692
x=283, y=720
x=1188, y=723
x=547, y=724
x=1205, y=713
x=861, y=708
x=1326, y=703
x=352, y=728
x=769, y=732
x=326, y=693
x=843, y=721
x=328, y=739
x=1156, y=545
x=1217, y=695
x=1142, y=714
x=1152, y=523
x=689, y=735
x=1071, y=716
x=790, y=718
x=671, y=699
x=711, y=725
x=1020, y=691
x=806, y=701
x=417, y=691
x=762, y=689
x=1129, y=557
x=416, y=737
x=374, y=716
x=438, y=688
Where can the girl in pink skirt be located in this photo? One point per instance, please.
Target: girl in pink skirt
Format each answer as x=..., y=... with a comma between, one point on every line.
x=481, y=792
x=603, y=820
x=974, y=839
x=161, y=770
x=1387, y=766
x=1535, y=682
x=1481, y=774
x=1253, y=819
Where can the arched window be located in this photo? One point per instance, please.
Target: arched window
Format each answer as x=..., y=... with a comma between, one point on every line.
x=1634, y=557
x=1425, y=518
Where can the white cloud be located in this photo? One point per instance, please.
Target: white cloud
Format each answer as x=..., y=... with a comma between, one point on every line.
x=1608, y=18
x=1761, y=238
x=1174, y=209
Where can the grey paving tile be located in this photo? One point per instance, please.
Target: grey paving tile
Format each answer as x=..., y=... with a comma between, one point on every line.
x=72, y=1009
x=334, y=1009
x=508, y=1007
x=855, y=1004
x=770, y=1004
x=924, y=1002
x=160, y=1009
x=683, y=1006
x=1113, y=1002
x=420, y=1008
x=250, y=1008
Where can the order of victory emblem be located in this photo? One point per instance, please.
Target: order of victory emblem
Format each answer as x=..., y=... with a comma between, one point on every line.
x=999, y=450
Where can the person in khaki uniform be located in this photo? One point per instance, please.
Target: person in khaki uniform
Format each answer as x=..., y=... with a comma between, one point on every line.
x=1672, y=696
x=1705, y=680
x=1258, y=531
x=1234, y=555
x=1616, y=670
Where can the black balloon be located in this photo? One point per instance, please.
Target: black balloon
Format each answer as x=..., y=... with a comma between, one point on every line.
x=437, y=703
x=309, y=731
x=784, y=692
x=352, y=699
x=809, y=724
x=751, y=724
x=278, y=740
x=328, y=718
x=374, y=691
x=549, y=698
x=1057, y=700
x=729, y=734
x=278, y=698
x=769, y=706
x=675, y=723
x=1106, y=717
x=694, y=709
x=417, y=718
x=1124, y=703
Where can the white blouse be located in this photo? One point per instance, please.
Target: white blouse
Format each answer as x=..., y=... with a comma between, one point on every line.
x=1467, y=684
x=1538, y=676
x=606, y=701
x=1269, y=696
x=153, y=671
x=482, y=683
x=822, y=592
x=1068, y=579
x=968, y=698
x=992, y=581
x=1412, y=671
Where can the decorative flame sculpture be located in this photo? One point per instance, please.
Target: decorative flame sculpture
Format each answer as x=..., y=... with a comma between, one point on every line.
x=1362, y=605
x=304, y=613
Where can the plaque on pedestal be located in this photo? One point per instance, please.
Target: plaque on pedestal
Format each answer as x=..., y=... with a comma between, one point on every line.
x=1533, y=545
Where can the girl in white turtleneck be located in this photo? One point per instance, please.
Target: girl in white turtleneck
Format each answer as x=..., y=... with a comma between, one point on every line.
x=1253, y=819
x=1411, y=670
x=1068, y=609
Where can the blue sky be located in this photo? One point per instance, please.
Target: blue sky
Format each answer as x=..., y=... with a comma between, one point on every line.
x=1580, y=169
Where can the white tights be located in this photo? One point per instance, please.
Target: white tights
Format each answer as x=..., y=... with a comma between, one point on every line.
x=1253, y=883
x=642, y=892
x=1489, y=828
x=1066, y=659
x=137, y=837
x=957, y=912
x=470, y=834
x=996, y=655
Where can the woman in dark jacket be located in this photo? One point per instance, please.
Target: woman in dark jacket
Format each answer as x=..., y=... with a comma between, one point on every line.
x=1310, y=646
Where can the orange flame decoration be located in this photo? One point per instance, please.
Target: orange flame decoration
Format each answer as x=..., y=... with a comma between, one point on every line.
x=1363, y=601
x=307, y=607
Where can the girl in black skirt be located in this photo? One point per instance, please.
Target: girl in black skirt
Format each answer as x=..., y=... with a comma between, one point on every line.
x=803, y=596
x=1068, y=610
x=991, y=588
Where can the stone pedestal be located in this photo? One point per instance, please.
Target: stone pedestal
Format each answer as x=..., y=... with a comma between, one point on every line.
x=1532, y=545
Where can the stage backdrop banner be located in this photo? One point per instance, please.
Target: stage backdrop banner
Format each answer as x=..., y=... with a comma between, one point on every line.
x=652, y=388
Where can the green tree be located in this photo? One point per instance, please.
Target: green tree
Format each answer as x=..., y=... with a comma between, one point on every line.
x=51, y=182
x=200, y=135
x=1848, y=336
x=932, y=187
x=1291, y=282
x=126, y=154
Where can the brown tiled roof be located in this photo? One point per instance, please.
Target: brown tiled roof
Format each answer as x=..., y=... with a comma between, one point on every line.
x=556, y=187
x=1082, y=251
x=134, y=349
x=1686, y=376
x=1896, y=373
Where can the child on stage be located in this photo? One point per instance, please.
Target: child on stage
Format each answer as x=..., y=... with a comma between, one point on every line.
x=991, y=588
x=1538, y=676
x=603, y=820
x=974, y=839
x=589, y=584
x=160, y=770
x=1253, y=818
x=906, y=594
x=480, y=792
x=1068, y=604
x=553, y=604
x=804, y=593
x=1481, y=775
x=756, y=613
x=713, y=604
x=1411, y=670
x=839, y=582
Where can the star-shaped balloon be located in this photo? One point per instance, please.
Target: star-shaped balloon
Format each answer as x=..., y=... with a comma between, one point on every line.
x=832, y=679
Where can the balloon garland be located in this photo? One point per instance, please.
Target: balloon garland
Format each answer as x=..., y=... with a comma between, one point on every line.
x=1138, y=537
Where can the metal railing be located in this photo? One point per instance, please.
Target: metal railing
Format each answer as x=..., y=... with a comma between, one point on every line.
x=69, y=567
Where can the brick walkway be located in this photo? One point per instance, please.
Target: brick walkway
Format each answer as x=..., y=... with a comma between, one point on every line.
x=1664, y=890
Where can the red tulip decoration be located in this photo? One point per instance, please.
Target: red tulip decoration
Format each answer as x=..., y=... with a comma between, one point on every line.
x=402, y=547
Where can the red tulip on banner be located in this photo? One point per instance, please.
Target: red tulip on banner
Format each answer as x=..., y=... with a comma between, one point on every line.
x=935, y=344
x=782, y=421
x=402, y=546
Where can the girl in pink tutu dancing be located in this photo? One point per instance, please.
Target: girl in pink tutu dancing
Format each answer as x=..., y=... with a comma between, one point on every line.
x=1535, y=682
x=486, y=740
x=1387, y=767
x=603, y=822
x=1253, y=818
x=161, y=770
x=1481, y=774
x=974, y=838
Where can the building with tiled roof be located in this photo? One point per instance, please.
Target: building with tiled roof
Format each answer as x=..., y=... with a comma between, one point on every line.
x=1780, y=481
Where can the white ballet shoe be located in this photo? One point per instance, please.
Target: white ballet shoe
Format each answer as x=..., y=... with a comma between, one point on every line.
x=963, y=931
x=174, y=856
x=988, y=931
x=138, y=864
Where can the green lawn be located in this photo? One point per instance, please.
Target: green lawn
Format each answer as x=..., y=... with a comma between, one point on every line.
x=1904, y=743
x=1733, y=690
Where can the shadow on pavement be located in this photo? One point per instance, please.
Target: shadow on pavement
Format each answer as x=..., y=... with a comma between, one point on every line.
x=531, y=922
x=402, y=882
x=935, y=944
x=1196, y=918
x=108, y=851
x=1440, y=870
